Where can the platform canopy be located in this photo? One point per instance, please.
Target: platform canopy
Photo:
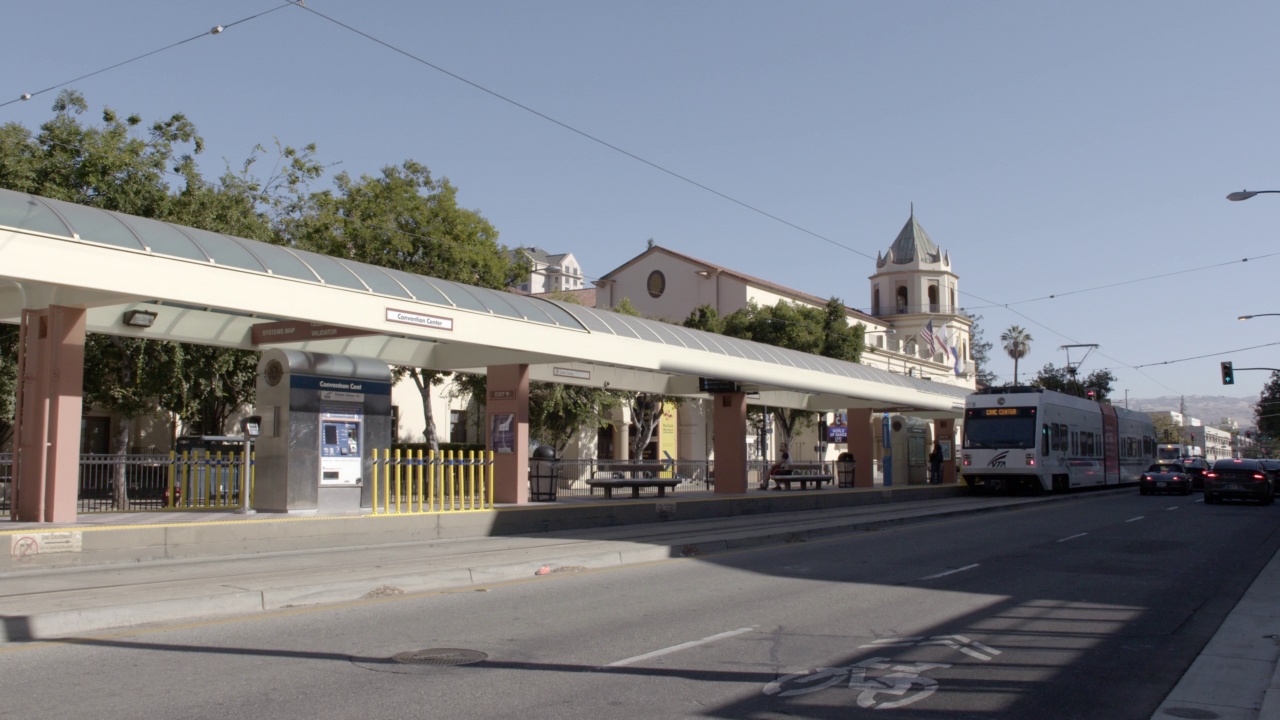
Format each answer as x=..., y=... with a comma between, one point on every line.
x=145, y=278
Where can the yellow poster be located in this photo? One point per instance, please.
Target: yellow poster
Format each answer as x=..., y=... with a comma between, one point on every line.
x=667, y=434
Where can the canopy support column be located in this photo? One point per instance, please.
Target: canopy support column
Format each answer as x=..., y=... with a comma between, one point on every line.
x=508, y=431
x=861, y=442
x=50, y=404
x=730, y=428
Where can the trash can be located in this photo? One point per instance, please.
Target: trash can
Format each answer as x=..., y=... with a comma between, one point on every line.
x=844, y=470
x=543, y=474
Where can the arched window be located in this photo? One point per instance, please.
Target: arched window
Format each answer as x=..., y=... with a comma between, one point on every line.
x=952, y=294
x=902, y=299
x=933, y=298
x=875, y=301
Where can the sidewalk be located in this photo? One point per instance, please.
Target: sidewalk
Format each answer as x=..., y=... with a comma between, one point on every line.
x=1231, y=680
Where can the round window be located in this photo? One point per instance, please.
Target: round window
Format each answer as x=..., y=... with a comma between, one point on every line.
x=657, y=284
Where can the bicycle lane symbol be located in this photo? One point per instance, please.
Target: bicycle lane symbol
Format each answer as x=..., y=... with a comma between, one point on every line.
x=905, y=683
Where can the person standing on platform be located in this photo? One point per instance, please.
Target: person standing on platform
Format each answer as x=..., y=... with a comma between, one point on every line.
x=935, y=464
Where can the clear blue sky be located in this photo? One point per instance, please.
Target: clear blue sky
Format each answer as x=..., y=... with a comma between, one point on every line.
x=1069, y=149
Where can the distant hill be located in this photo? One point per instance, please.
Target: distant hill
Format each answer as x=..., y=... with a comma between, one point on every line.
x=1209, y=409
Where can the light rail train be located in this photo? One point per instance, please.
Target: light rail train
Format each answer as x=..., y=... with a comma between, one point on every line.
x=1032, y=438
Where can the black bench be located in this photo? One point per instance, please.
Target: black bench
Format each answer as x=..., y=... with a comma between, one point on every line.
x=608, y=484
x=804, y=480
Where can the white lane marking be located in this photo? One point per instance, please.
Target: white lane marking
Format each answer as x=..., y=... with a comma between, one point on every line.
x=678, y=648
x=950, y=572
x=1175, y=507
x=1140, y=517
x=1072, y=537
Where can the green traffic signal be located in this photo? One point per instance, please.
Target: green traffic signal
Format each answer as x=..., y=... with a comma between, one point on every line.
x=1228, y=375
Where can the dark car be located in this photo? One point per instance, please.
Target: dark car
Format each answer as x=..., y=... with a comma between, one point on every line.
x=1196, y=467
x=1164, y=478
x=1238, y=478
x=1273, y=467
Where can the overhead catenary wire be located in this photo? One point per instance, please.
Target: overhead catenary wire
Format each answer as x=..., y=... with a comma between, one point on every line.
x=594, y=138
x=216, y=30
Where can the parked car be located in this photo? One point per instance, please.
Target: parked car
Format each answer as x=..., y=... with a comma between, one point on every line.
x=1196, y=467
x=1238, y=478
x=1164, y=478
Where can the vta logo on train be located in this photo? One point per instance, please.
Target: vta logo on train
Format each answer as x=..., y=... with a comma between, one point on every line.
x=998, y=460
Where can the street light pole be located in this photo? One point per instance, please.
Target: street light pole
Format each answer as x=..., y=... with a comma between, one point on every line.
x=1246, y=194
x=1247, y=317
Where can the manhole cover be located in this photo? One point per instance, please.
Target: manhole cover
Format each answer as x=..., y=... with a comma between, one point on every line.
x=440, y=656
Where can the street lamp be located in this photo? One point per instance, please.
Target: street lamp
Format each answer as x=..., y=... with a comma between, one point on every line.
x=1246, y=194
x=1247, y=317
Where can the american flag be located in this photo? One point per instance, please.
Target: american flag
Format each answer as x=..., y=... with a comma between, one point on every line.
x=930, y=338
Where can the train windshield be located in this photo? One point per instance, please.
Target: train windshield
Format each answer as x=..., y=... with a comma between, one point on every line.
x=1000, y=428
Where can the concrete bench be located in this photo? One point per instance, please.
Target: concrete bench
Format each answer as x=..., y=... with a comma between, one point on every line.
x=608, y=485
x=804, y=480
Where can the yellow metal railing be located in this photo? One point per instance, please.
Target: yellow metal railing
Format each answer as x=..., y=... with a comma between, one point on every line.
x=409, y=482
x=207, y=481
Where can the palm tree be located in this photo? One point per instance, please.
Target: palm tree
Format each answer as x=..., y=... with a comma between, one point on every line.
x=1017, y=342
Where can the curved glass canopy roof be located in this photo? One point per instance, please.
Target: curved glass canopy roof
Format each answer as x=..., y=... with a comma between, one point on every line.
x=103, y=227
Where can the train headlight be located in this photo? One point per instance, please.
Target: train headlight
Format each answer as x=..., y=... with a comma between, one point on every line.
x=967, y=462
x=1031, y=459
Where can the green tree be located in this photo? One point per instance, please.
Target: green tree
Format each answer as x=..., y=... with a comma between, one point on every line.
x=1166, y=430
x=705, y=317
x=8, y=382
x=1266, y=414
x=206, y=399
x=1064, y=380
x=979, y=350
x=1017, y=343
x=120, y=164
x=407, y=220
x=820, y=331
x=123, y=378
x=558, y=412
x=646, y=408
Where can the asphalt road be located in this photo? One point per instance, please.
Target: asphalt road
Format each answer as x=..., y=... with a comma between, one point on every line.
x=1087, y=608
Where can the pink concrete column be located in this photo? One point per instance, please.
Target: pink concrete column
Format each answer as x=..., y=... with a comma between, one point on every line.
x=946, y=430
x=862, y=446
x=508, y=424
x=50, y=395
x=729, y=423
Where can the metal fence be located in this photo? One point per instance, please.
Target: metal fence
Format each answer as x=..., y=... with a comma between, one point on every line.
x=413, y=482
x=194, y=480
x=6, y=480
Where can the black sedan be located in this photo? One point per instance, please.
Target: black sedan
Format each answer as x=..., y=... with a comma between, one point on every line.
x=1273, y=467
x=1239, y=478
x=1165, y=478
x=1196, y=467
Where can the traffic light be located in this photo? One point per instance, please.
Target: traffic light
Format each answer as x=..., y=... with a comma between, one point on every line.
x=1228, y=375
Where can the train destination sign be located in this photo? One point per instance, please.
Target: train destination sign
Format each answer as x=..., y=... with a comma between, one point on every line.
x=712, y=385
x=1003, y=412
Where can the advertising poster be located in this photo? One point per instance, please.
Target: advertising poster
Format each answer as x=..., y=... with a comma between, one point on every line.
x=503, y=433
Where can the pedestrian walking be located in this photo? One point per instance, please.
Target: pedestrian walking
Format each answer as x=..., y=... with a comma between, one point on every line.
x=935, y=464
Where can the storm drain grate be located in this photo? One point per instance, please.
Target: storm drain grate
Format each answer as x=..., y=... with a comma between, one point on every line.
x=440, y=656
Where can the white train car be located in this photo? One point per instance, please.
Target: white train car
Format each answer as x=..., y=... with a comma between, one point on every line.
x=1026, y=437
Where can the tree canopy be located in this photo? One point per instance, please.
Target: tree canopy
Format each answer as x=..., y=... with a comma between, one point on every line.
x=820, y=331
x=1064, y=380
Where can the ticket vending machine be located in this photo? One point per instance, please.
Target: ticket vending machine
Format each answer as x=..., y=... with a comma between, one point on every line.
x=322, y=416
x=340, y=444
